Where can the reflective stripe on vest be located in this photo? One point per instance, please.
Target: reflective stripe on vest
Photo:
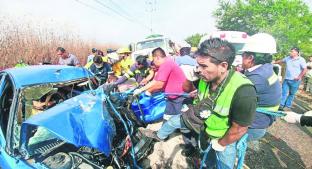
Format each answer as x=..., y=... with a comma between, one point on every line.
x=272, y=79
x=218, y=122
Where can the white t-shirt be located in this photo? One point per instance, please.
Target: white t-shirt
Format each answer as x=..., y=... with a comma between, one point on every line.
x=71, y=60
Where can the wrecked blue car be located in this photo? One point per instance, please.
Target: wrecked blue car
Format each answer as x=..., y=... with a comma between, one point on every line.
x=53, y=117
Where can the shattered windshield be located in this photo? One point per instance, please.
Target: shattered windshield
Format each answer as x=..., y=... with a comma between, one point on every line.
x=36, y=99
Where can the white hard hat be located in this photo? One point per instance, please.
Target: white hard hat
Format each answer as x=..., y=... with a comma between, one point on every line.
x=260, y=43
x=113, y=55
x=184, y=44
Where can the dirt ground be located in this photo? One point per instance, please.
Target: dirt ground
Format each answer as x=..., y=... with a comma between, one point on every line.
x=284, y=146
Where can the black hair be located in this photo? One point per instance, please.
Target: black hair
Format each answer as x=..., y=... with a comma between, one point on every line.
x=142, y=60
x=259, y=58
x=185, y=51
x=109, y=51
x=61, y=49
x=93, y=50
x=98, y=59
x=99, y=52
x=217, y=50
x=296, y=49
x=163, y=53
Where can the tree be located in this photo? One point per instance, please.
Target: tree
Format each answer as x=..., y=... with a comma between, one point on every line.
x=194, y=39
x=289, y=21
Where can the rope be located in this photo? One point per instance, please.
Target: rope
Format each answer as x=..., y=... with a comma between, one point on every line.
x=272, y=113
x=177, y=94
x=128, y=133
x=241, y=146
x=202, y=163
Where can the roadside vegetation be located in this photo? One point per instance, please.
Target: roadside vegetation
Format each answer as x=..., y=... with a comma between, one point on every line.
x=31, y=41
x=289, y=21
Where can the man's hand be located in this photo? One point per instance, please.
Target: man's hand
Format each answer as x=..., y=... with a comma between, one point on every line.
x=298, y=78
x=137, y=92
x=292, y=117
x=143, y=82
x=193, y=93
x=216, y=146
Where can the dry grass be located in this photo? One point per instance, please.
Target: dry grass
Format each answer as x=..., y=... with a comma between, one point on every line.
x=31, y=42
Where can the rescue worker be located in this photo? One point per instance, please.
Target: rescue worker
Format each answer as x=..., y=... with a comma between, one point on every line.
x=225, y=107
x=126, y=61
x=114, y=61
x=100, y=53
x=100, y=69
x=141, y=71
x=256, y=61
x=21, y=63
x=91, y=56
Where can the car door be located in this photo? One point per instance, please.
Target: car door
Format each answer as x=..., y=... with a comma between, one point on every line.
x=4, y=118
x=8, y=100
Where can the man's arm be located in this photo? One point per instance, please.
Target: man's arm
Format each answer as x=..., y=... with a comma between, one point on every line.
x=278, y=61
x=76, y=61
x=148, y=78
x=153, y=86
x=303, y=72
x=188, y=86
x=233, y=134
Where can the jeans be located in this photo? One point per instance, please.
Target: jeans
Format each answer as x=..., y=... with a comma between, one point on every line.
x=289, y=89
x=253, y=138
x=255, y=134
x=226, y=158
x=170, y=126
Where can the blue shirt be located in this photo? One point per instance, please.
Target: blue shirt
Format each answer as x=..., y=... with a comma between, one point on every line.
x=268, y=91
x=186, y=60
x=294, y=67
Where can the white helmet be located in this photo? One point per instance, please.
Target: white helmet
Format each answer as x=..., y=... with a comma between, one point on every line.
x=260, y=43
x=184, y=44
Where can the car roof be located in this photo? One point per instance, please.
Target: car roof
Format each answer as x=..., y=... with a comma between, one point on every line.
x=39, y=74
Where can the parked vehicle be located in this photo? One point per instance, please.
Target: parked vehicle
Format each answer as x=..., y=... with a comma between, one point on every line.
x=236, y=38
x=146, y=46
x=51, y=117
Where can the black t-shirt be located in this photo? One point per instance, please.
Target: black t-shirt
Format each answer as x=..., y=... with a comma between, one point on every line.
x=244, y=105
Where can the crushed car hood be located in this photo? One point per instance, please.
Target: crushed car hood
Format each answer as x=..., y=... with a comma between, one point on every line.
x=82, y=121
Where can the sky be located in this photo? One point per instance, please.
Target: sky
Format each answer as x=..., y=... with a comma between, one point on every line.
x=118, y=21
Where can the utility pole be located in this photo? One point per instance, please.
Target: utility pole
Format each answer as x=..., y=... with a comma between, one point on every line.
x=151, y=7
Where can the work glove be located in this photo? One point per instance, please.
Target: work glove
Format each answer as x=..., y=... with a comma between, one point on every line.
x=216, y=146
x=137, y=92
x=292, y=117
